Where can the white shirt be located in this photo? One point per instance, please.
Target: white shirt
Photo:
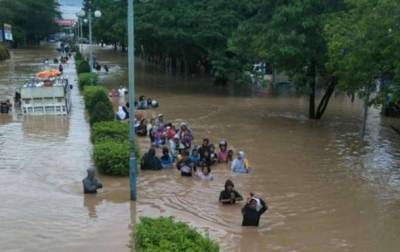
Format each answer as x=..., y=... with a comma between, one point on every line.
x=121, y=92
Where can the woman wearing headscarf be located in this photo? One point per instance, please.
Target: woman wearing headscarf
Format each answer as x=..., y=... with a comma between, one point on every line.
x=223, y=153
x=185, y=136
x=240, y=164
x=121, y=115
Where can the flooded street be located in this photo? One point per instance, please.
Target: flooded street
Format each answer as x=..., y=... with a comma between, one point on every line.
x=42, y=163
x=326, y=189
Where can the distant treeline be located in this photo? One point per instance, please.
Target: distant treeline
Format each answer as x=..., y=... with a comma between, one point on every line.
x=343, y=45
x=31, y=20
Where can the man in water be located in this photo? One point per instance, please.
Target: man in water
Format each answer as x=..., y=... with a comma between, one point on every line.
x=253, y=210
x=121, y=91
x=150, y=161
x=90, y=183
x=205, y=147
x=229, y=195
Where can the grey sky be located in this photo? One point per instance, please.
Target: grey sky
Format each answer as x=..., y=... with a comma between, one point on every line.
x=69, y=8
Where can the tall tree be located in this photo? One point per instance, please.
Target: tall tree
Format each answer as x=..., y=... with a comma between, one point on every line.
x=363, y=49
x=289, y=35
x=32, y=20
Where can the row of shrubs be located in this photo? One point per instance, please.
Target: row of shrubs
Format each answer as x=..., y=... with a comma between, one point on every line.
x=111, y=156
x=85, y=77
x=165, y=234
x=4, y=53
x=110, y=138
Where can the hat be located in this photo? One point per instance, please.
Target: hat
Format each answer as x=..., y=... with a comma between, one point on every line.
x=90, y=170
x=241, y=154
x=160, y=115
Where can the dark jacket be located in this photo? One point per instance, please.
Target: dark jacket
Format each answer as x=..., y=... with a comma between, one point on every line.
x=91, y=184
x=202, y=150
x=150, y=161
x=224, y=195
x=251, y=217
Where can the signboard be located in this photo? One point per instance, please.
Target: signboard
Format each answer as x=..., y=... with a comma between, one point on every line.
x=8, y=32
x=1, y=35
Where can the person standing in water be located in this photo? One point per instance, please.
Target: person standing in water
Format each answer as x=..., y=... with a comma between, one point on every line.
x=121, y=91
x=150, y=161
x=90, y=183
x=240, y=164
x=253, y=210
x=223, y=154
x=229, y=195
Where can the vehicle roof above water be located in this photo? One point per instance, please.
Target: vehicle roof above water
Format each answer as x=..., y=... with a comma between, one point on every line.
x=45, y=82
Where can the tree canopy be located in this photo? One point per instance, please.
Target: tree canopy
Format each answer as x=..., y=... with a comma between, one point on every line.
x=31, y=20
x=322, y=45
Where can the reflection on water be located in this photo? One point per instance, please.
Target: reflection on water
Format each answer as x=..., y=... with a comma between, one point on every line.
x=55, y=127
x=43, y=160
x=327, y=189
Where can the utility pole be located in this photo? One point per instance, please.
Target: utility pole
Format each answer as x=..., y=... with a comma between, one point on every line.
x=131, y=95
x=90, y=39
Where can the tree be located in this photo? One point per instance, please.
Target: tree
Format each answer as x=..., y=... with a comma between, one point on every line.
x=363, y=44
x=289, y=35
x=183, y=35
x=31, y=20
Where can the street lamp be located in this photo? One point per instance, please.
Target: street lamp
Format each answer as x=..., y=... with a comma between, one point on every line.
x=81, y=15
x=97, y=14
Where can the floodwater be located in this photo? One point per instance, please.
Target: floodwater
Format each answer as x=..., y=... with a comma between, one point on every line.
x=42, y=163
x=327, y=190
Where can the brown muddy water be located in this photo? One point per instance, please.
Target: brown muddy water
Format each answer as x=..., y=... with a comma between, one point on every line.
x=42, y=163
x=327, y=190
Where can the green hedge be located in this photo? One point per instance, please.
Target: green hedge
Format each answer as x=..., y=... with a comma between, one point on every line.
x=4, y=53
x=111, y=151
x=73, y=47
x=78, y=56
x=77, y=63
x=89, y=92
x=93, y=95
x=112, y=157
x=165, y=234
x=114, y=130
x=87, y=79
x=82, y=67
x=101, y=112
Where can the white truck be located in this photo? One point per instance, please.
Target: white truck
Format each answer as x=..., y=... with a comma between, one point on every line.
x=46, y=97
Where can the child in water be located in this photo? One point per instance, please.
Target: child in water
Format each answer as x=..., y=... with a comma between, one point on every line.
x=166, y=159
x=185, y=165
x=213, y=155
x=195, y=157
x=204, y=173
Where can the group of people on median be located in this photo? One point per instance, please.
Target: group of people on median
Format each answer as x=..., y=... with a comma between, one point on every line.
x=175, y=145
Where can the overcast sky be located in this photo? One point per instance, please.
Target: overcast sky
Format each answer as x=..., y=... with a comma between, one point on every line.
x=69, y=8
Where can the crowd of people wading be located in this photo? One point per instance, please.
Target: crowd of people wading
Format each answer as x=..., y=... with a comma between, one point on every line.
x=176, y=148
